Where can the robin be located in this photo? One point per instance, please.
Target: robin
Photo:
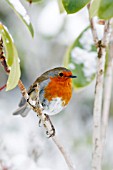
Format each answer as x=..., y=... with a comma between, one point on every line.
x=55, y=91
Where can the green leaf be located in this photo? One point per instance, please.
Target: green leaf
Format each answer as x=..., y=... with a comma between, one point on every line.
x=93, y=11
x=81, y=59
x=8, y=44
x=22, y=13
x=14, y=75
x=12, y=58
x=72, y=6
x=106, y=9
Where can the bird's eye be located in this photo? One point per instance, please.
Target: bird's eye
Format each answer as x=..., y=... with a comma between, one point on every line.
x=61, y=74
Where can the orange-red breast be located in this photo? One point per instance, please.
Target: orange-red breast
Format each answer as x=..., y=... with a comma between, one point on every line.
x=55, y=91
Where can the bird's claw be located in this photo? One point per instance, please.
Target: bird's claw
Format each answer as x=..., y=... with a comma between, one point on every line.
x=52, y=134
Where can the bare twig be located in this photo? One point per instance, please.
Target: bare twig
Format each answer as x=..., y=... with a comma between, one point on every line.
x=97, y=142
x=97, y=121
x=3, y=87
x=107, y=92
x=93, y=28
x=38, y=109
x=64, y=153
x=96, y=162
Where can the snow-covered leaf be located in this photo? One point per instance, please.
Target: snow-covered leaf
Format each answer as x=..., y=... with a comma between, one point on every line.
x=8, y=44
x=22, y=13
x=72, y=6
x=12, y=58
x=81, y=59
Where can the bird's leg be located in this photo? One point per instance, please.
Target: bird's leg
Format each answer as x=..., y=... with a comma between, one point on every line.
x=37, y=107
x=52, y=127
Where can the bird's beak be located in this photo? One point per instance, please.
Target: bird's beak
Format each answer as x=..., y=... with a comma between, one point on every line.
x=72, y=76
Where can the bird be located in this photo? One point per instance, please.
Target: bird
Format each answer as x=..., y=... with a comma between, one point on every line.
x=55, y=91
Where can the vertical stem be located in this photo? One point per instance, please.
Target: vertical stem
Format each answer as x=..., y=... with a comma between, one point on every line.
x=107, y=93
x=96, y=162
x=93, y=28
x=97, y=141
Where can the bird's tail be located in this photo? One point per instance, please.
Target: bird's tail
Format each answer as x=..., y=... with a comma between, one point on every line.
x=23, y=110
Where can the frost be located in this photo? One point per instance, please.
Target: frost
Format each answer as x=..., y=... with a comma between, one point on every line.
x=27, y=19
x=88, y=59
x=20, y=9
x=87, y=40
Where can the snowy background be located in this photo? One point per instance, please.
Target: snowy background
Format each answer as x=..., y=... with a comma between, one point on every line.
x=23, y=144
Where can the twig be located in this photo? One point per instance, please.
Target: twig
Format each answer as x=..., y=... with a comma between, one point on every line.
x=3, y=87
x=38, y=109
x=93, y=28
x=107, y=93
x=97, y=124
x=64, y=153
x=97, y=142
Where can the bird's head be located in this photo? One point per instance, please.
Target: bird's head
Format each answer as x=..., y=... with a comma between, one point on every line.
x=60, y=73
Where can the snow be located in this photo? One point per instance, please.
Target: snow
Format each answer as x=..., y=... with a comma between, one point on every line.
x=7, y=41
x=20, y=9
x=87, y=40
x=9, y=34
x=87, y=58
x=24, y=162
x=2, y=31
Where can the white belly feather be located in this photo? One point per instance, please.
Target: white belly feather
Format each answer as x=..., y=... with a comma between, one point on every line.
x=54, y=106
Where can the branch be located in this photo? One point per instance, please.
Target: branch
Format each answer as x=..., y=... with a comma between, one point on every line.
x=107, y=93
x=37, y=107
x=97, y=124
x=66, y=156
x=97, y=142
x=93, y=28
x=3, y=87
